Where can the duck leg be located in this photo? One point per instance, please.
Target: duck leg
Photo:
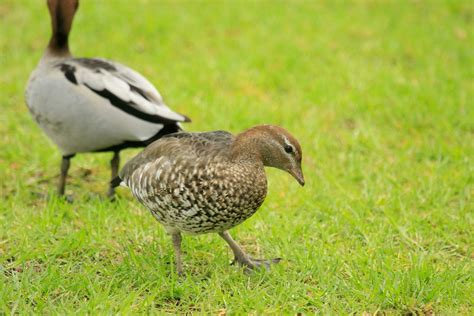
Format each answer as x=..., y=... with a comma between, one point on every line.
x=65, y=163
x=176, y=237
x=242, y=258
x=114, y=167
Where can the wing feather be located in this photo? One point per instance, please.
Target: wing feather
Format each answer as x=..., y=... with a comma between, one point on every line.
x=192, y=147
x=122, y=86
x=115, y=85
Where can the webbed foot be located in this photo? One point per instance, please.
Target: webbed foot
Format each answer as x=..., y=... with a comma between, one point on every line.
x=254, y=264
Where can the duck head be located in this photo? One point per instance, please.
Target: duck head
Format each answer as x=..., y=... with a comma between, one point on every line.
x=273, y=146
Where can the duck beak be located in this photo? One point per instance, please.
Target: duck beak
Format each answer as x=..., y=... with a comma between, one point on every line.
x=297, y=173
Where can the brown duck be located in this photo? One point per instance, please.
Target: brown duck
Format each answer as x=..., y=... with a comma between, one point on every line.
x=210, y=182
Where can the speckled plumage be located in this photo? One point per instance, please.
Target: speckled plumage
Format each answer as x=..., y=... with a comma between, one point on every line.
x=200, y=189
x=209, y=182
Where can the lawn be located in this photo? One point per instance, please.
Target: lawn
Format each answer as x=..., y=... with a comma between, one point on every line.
x=380, y=95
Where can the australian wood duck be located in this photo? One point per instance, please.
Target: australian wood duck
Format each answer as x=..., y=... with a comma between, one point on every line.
x=92, y=104
x=210, y=182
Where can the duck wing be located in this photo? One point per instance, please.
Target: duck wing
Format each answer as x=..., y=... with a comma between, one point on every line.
x=125, y=88
x=182, y=147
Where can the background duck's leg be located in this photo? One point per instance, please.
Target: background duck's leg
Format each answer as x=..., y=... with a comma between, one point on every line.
x=242, y=258
x=65, y=163
x=176, y=237
x=114, y=167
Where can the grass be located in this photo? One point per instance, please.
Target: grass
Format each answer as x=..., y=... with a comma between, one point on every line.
x=380, y=95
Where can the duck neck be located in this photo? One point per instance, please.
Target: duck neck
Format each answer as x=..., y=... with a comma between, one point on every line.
x=58, y=46
x=62, y=14
x=247, y=148
x=246, y=157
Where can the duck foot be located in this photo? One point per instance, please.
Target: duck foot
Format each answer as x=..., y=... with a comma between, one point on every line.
x=254, y=264
x=245, y=260
x=68, y=198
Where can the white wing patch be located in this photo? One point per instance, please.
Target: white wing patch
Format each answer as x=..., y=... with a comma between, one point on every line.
x=123, y=83
x=93, y=81
x=115, y=85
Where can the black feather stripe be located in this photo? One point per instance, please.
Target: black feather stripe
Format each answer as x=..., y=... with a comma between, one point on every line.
x=128, y=107
x=140, y=92
x=69, y=71
x=167, y=129
x=115, y=182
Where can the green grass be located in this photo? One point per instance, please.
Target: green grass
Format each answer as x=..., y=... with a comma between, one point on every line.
x=380, y=95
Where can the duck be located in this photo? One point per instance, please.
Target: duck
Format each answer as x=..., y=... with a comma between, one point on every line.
x=89, y=105
x=210, y=182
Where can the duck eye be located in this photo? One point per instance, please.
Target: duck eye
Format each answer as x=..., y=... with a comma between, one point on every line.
x=288, y=148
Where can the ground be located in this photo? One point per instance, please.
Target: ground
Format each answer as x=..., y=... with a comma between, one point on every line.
x=380, y=95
